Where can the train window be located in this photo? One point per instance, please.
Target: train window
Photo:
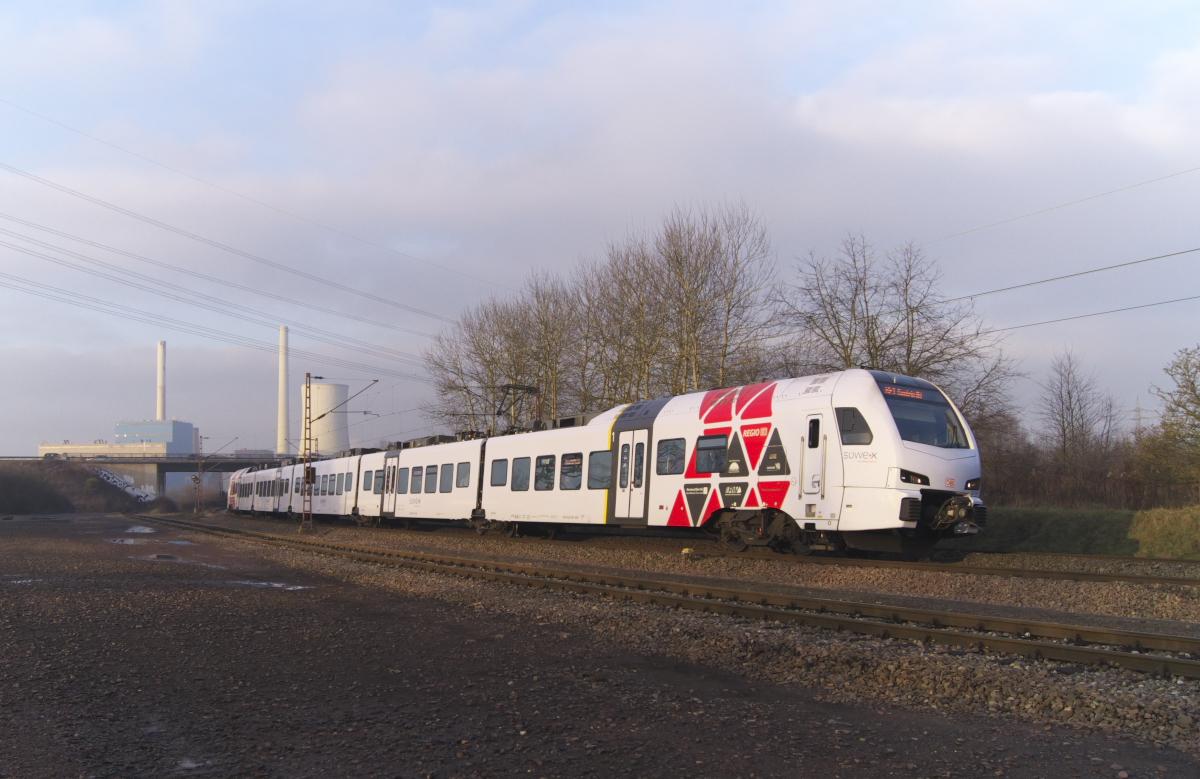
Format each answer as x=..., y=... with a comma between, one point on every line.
x=543, y=473
x=367, y=481
x=671, y=455
x=463, y=477
x=624, y=466
x=600, y=470
x=854, y=429
x=287, y=486
x=430, y=479
x=499, y=473
x=520, y=479
x=378, y=488
x=341, y=482
x=325, y=484
x=296, y=486
x=639, y=457
x=571, y=475
x=349, y=482
x=447, y=478
x=711, y=453
x=401, y=481
x=415, y=487
x=814, y=433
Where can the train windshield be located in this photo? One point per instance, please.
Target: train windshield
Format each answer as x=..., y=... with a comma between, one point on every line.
x=922, y=413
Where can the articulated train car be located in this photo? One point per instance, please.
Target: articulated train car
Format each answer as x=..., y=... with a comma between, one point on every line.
x=860, y=458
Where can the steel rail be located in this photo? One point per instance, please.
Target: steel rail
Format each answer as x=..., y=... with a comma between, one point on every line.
x=870, y=619
x=974, y=570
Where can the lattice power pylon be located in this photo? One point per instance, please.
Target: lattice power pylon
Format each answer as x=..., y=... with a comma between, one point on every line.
x=306, y=450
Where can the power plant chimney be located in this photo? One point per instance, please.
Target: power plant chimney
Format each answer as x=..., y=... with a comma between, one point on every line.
x=162, y=381
x=281, y=443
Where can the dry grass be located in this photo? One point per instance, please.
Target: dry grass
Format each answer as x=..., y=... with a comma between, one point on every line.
x=1152, y=533
x=57, y=488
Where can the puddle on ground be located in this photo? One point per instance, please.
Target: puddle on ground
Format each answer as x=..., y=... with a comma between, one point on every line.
x=131, y=541
x=22, y=581
x=181, y=543
x=273, y=585
x=140, y=529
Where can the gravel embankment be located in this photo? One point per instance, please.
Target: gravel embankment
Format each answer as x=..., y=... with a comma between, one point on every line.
x=142, y=652
x=1173, y=603
x=843, y=669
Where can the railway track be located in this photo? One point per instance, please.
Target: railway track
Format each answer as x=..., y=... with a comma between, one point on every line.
x=1049, y=641
x=955, y=568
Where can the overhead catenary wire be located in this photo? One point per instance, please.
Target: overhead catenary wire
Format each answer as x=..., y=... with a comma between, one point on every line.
x=1096, y=313
x=218, y=305
x=218, y=245
x=61, y=295
x=256, y=201
x=225, y=283
x=1025, y=285
x=1023, y=216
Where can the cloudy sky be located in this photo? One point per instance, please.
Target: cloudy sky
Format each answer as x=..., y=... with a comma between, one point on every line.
x=375, y=167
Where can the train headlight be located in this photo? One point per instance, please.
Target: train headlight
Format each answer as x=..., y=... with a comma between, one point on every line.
x=908, y=477
x=973, y=484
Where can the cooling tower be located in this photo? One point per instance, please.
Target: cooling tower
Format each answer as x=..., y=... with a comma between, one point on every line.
x=330, y=434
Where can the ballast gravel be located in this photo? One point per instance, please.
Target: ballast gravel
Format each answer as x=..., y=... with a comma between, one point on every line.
x=1176, y=603
x=236, y=659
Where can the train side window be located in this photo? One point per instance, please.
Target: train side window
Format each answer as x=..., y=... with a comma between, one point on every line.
x=325, y=484
x=600, y=470
x=571, y=475
x=499, y=473
x=349, y=482
x=402, y=482
x=463, y=477
x=415, y=487
x=336, y=482
x=447, y=478
x=520, y=479
x=430, y=479
x=814, y=433
x=639, y=458
x=671, y=455
x=543, y=473
x=854, y=429
x=367, y=479
x=624, y=466
x=378, y=489
x=711, y=453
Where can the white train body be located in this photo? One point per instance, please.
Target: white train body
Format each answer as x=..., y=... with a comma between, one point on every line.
x=868, y=459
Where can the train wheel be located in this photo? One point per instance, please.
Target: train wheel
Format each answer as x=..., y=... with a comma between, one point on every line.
x=550, y=532
x=731, y=539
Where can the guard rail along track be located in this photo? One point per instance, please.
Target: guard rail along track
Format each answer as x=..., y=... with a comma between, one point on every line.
x=1078, y=642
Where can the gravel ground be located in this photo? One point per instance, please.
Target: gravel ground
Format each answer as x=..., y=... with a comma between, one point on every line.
x=1114, y=599
x=159, y=658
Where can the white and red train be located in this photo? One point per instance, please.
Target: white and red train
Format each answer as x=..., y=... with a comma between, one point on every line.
x=858, y=459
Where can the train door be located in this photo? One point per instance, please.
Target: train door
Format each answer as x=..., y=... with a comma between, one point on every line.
x=633, y=475
x=390, y=464
x=820, y=479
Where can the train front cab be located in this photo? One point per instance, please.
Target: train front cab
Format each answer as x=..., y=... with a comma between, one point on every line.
x=910, y=465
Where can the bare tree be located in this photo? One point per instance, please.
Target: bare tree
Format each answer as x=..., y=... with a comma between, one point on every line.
x=1180, y=427
x=888, y=312
x=1079, y=420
